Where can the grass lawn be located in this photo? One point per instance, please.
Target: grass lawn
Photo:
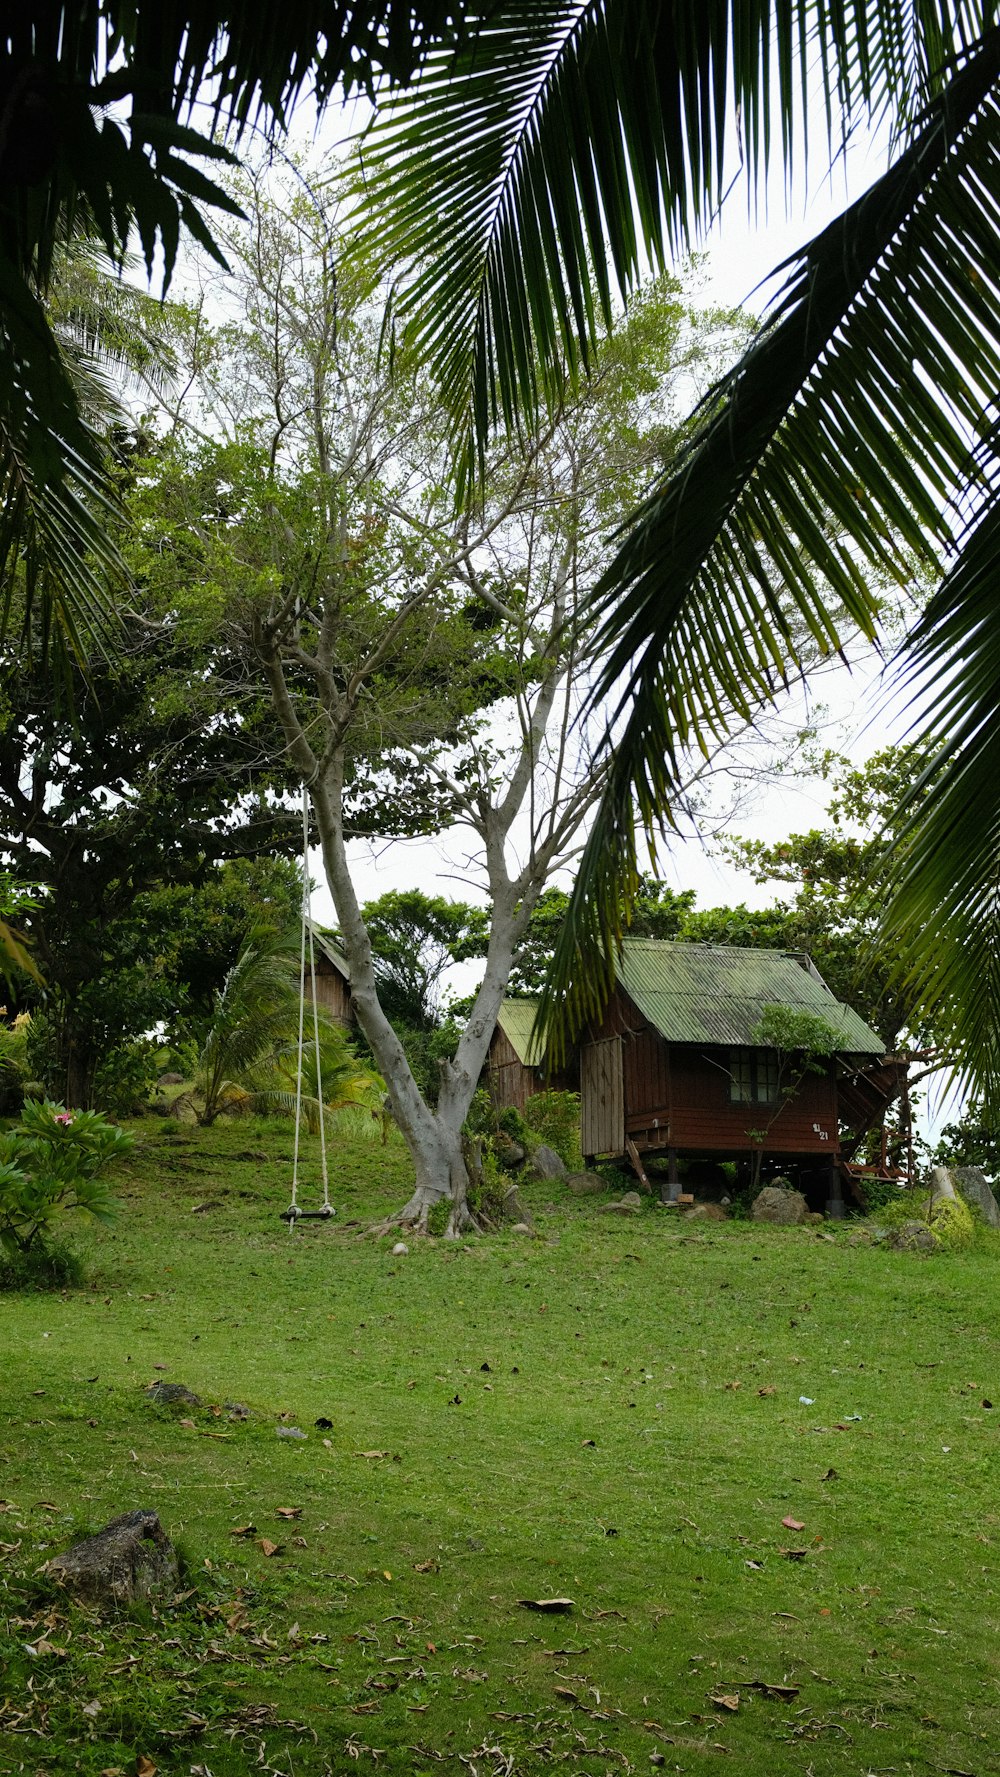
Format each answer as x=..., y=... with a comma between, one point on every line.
x=610, y=1412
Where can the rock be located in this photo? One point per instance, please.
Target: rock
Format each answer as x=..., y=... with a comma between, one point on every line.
x=170, y=1080
x=513, y=1209
x=815, y=1216
x=171, y=1394
x=631, y=1197
x=912, y=1237
x=400, y=1250
x=585, y=1184
x=975, y=1188
x=508, y=1152
x=547, y=1164
x=130, y=1559
x=624, y=1208
x=860, y=1237
x=521, y=1228
x=941, y=1185
x=776, y=1204
x=704, y=1212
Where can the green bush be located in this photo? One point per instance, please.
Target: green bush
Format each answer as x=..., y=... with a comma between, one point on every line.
x=953, y=1224
x=879, y=1193
x=124, y=1079
x=51, y=1266
x=49, y=1162
x=554, y=1118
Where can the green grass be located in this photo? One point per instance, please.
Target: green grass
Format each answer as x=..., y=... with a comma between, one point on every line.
x=616, y=1451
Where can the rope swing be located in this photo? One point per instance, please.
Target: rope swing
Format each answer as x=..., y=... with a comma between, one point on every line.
x=293, y=1213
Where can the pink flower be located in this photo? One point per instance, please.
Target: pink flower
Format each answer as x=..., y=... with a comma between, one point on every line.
x=64, y=1117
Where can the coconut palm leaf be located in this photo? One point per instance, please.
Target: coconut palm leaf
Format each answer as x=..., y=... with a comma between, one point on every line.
x=574, y=141
x=944, y=913
x=838, y=441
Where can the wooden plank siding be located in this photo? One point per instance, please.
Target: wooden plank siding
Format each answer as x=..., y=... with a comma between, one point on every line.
x=511, y=1082
x=332, y=992
x=678, y=1095
x=602, y=1104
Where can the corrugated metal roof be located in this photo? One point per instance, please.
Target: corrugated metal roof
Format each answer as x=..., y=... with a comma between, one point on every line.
x=710, y=993
x=516, y=1018
x=329, y=949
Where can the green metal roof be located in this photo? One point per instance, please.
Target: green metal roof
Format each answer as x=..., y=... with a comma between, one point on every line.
x=325, y=944
x=710, y=993
x=516, y=1019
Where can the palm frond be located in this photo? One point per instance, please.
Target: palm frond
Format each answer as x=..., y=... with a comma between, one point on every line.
x=837, y=441
x=574, y=140
x=943, y=915
x=57, y=510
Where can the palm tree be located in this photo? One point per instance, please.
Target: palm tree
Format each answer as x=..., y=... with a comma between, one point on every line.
x=859, y=429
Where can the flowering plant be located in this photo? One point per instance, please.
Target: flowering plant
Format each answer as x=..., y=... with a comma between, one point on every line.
x=49, y=1162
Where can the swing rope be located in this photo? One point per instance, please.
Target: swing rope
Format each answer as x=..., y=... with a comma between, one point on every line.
x=294, y=1214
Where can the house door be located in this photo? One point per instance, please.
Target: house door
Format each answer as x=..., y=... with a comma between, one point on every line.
x=602, y=1098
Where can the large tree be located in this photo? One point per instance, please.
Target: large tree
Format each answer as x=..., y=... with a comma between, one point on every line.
x=310, y=496
x=858, y=430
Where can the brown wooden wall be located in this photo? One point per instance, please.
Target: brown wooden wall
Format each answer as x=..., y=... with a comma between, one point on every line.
x=511, y=1083
x=677, y=1095
x=332, y=992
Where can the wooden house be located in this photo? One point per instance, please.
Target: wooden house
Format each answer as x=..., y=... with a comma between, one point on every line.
x=514, y=1063
x=333, y=978
x=673, y=1068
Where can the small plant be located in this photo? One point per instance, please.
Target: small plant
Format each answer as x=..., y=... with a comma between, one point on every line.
x=49, y=1162
x=554, y=1118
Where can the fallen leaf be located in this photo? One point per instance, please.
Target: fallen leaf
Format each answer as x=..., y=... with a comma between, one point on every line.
x=288, y=1512
x=567, y=1696
x=386, y=1575
x=372, y=1455
x=770, y=1389
x=785, y=1693
x=792, y=1524
x=188, y=1424
x=794, y=1554
x=553, y=1605
x=244, y=1530
x=92, y=1708
x=758, y=1566
x=144, y=1767
x=425, y=1567
x=831, y=1475
x=269, y=1547
x=728, y=1700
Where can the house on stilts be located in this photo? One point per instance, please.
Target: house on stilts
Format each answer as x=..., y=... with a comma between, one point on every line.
x=675, y=1069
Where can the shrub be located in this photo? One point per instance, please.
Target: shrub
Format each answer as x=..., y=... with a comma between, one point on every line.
x=124, y=1078
x=554, y=1118
x=952, y=1223
x=879, y=1193
x=51, y=1266
x=49, y=1162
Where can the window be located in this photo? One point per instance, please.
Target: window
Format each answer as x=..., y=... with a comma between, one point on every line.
x=753, y=1076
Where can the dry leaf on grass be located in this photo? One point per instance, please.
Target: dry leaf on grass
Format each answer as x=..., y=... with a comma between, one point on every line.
x=372, y=1455
x=269, y=1547
x=426, y=1567
x=553, y=1605
x=288, y=1512
x=728, y=1700
x=792, y=1524
x=565, y=1694
x=244, y=1530
x=144, y=1767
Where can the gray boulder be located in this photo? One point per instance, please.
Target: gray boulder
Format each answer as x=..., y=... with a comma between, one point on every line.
x=131, y=1559
x=973, y=1184
x=171, y=1394
x=547, y=1164
x=170, y=1080
x=776, y=1204
x=585, y=1184
x=912, y=1237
